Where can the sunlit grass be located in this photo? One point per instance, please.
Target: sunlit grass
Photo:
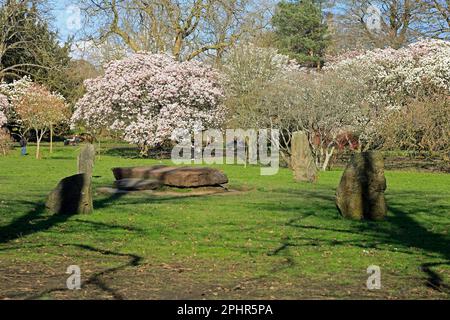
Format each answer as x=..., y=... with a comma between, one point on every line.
x=275, y=230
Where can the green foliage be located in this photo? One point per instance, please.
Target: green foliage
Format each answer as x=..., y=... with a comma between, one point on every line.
x=301, y=32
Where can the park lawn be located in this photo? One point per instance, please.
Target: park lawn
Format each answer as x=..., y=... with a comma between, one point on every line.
x=275, y=239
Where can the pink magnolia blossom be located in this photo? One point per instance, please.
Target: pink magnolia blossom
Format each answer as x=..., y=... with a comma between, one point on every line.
x=151, y=98
x=4, y=105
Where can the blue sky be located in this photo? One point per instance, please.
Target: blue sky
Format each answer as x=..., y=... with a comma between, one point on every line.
x=62, y=11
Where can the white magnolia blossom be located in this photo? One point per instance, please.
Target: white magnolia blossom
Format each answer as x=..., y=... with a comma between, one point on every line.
x=10, y=93
x=394, y=76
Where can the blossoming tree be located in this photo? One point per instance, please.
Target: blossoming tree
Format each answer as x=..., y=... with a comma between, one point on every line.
x=14, y=96
x=4, y=105
x=393, y=78
x=39, y=110
x=12, y=92
x=422, y=68
x=151, y=98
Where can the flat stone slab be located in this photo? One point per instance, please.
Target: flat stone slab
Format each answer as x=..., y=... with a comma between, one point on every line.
x=137, y=184
x=180, y=177
x=197, y=192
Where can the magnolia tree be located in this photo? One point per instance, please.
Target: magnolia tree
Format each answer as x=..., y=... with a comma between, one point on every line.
x=324, y=106
x=268, y=90
x=5, y=139
x=151, y=99
x=4, y=106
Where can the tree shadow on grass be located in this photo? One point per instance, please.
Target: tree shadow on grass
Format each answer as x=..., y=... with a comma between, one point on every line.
x=33, y=221
x=97, y=279
x=123, y=152
x=38, y=219
x=402, y=229
x=410, y=233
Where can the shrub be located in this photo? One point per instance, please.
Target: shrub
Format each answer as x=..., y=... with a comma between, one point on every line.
x=6, y=142
x=421, y=126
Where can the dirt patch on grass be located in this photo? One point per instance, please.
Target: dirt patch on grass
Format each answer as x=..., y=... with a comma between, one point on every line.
x=192, y=282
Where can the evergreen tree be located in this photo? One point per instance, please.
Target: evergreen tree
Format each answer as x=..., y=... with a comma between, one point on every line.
x=300, y=30
x=28, y=47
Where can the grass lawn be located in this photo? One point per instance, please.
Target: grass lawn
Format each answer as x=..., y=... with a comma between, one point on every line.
x=276, y=239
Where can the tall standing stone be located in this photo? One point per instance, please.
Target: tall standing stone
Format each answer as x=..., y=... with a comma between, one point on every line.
x=86, y=160
x=302, y=160
x=360, y=194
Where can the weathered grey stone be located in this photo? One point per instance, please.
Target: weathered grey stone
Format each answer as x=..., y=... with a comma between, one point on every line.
x=181, y=177
x=73, y=195
x=302, y=160
x=137, y=184
x=86, y=160
x=360, y=194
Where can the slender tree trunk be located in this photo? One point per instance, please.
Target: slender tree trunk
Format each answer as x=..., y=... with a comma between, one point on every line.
x=99, y=151
x=38, y=144
x=328, y=156
x=51, y=138
x=177, y=46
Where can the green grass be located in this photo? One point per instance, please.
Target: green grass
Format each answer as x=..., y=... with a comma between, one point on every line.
x=275, y=239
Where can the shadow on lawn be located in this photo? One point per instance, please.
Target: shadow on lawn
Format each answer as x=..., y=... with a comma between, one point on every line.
x=400, y=229
x=36, y=220
x=33, y=221
x=97, y=278
x=410, y=233
x=123, y=152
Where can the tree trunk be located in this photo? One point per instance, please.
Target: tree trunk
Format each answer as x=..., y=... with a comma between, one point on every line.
x=177, y=46
x=328, y=156
x=38, y=145
x=51, y=138
x=99, y=148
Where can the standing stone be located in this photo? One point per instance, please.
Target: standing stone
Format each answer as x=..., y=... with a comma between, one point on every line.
x=302, y=160
x=86, y=160
x=73, y=195
x=360, y=194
